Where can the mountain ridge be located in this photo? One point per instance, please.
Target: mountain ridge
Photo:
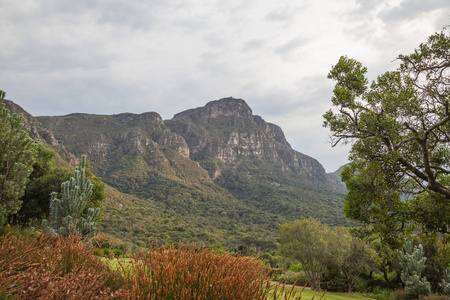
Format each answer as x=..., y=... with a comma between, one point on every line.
x=215, y=173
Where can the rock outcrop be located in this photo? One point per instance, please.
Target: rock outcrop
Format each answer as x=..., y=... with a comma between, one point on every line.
x=227, y=132
x=41, y=134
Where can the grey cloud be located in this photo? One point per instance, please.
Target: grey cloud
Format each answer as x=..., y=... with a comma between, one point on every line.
x=255, y=44
x=286, y=49
x=133, y=14
x=363, y=7
x=283, y=14
x=194, y=24
x=410, y=9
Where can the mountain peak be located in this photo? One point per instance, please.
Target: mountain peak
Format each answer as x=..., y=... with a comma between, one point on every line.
x=225, y=107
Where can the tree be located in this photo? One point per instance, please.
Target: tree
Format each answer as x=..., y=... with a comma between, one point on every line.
x=412, y=261
x=399, y=128
x=356, y=261
x=45, y=178
x=315, y=245
x=17, y=154
x=65, y=213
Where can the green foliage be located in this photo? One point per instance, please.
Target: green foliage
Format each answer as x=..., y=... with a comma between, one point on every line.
x=166, y=196
x=445, y=284
x=65, y=213
x=412, y=263
x=17, y=155
x=45, y=178
x=315, y=245
x=398, y=177
x=98, y=193
x=357, y=260
x=21, y=232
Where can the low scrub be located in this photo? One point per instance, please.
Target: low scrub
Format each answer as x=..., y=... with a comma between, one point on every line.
x=66, y=268
x=53, y=268
x=185, y=272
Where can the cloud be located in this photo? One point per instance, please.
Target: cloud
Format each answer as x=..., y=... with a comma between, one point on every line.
x=284, y=13
x=409, y=10
x=168, y=56
x=290, y=48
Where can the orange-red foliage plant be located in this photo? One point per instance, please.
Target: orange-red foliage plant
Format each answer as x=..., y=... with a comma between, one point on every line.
x=53, y=268
x=185, y=272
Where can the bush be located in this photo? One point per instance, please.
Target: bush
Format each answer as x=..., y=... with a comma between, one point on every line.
x=297, y=278
x=117, y=253
x=52, y=268
x=105, y=251
x=334, y=280
x=381, y=294
x=296, y=268
x=103, y=240
x=184, y=272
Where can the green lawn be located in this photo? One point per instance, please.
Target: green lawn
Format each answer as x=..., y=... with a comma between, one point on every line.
x=309, y=294
x=114, y=264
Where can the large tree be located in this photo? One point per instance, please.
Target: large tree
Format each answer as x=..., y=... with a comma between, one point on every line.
x=17, y=155
x=399, y=129
x=315, y=245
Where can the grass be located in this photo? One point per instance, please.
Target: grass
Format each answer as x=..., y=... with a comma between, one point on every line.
x=117, y=264
x=307, y=293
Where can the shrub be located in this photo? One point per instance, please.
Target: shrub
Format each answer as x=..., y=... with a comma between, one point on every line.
x=334, y=280
x=296, y=268
x=53, y=268
x=105, y=251
x=188, y=273
x=117, y=252
x=103, y=240
x=412, y=261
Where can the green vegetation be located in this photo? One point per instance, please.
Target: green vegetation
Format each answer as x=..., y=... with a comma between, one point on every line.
x=313, y=244
x=161, y=195
x=412, y=263
x=233, y=198
x=445, y=284
x=319, y=248
x=398, y=178
x=45, y=178
x=17, y=155
x=65, y=213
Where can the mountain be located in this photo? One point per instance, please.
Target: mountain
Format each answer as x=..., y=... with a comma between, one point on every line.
x=215, y=173
x=42, y=135
x=336, y=177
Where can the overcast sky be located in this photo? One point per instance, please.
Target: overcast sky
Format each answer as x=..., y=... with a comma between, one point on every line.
x=107, y=57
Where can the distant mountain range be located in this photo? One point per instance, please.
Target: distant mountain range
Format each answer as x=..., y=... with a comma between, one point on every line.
x=215, y=173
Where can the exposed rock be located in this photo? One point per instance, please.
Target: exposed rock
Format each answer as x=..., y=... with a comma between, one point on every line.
x=109, y=137
x=41, y=134
x=226, y=130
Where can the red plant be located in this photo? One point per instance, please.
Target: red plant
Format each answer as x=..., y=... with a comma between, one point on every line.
x=53, y=268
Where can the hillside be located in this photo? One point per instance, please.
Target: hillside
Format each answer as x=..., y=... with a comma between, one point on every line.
x=215, y=173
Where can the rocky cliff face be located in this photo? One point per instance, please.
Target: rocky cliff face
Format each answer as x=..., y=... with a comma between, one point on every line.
x=226, y=131
x=40, y=134
x=104, y=138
